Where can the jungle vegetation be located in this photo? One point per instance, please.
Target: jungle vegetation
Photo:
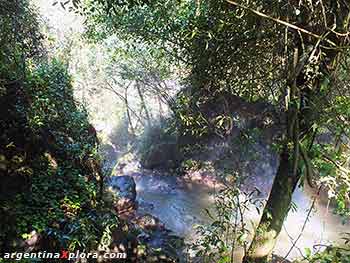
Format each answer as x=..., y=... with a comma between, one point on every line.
x=291, y=55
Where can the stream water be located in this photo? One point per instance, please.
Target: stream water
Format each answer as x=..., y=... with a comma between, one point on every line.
x=180, y=205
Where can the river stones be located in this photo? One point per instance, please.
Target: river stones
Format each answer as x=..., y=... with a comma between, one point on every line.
x=149, y=222
x=126, y=188
x=162, y=245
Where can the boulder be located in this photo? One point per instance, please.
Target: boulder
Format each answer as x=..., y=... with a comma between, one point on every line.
x=149, y=222
x=126, y=188
x=164, y=155
x=161, y=244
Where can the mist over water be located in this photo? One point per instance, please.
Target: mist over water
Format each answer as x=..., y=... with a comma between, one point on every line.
x=182, y=205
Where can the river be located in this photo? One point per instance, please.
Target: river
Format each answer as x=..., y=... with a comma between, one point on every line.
x=180, y=204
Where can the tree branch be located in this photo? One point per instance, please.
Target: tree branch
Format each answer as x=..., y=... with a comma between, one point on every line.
x=279, y=21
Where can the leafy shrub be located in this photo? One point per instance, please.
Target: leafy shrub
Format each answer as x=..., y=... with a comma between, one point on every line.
x=50, y=176
x=228, y=231
x=329, y=255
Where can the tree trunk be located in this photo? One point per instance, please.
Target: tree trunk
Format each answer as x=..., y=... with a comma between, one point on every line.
x=143, y=104
x=132, y=129
x=286, y=179
x=299, y=122
x=275, y=212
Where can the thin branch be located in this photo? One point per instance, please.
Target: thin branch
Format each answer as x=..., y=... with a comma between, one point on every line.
x=304, y=225
x=308, y=165
x=292, y=241
x=341, y=168
x=110, y=88
x=279, y=21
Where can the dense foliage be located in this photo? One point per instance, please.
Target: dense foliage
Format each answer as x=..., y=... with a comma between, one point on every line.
x=291, y=55
x=50, y=176
x=227, y=51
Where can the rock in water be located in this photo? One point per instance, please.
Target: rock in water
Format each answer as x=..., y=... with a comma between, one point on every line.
x=149, y=222
x=126, y=188
x=165, y=155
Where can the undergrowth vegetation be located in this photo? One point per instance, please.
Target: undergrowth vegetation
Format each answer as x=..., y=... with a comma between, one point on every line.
x=50, y=174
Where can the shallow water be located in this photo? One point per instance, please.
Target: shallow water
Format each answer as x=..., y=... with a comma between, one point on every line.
x=180, y=205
